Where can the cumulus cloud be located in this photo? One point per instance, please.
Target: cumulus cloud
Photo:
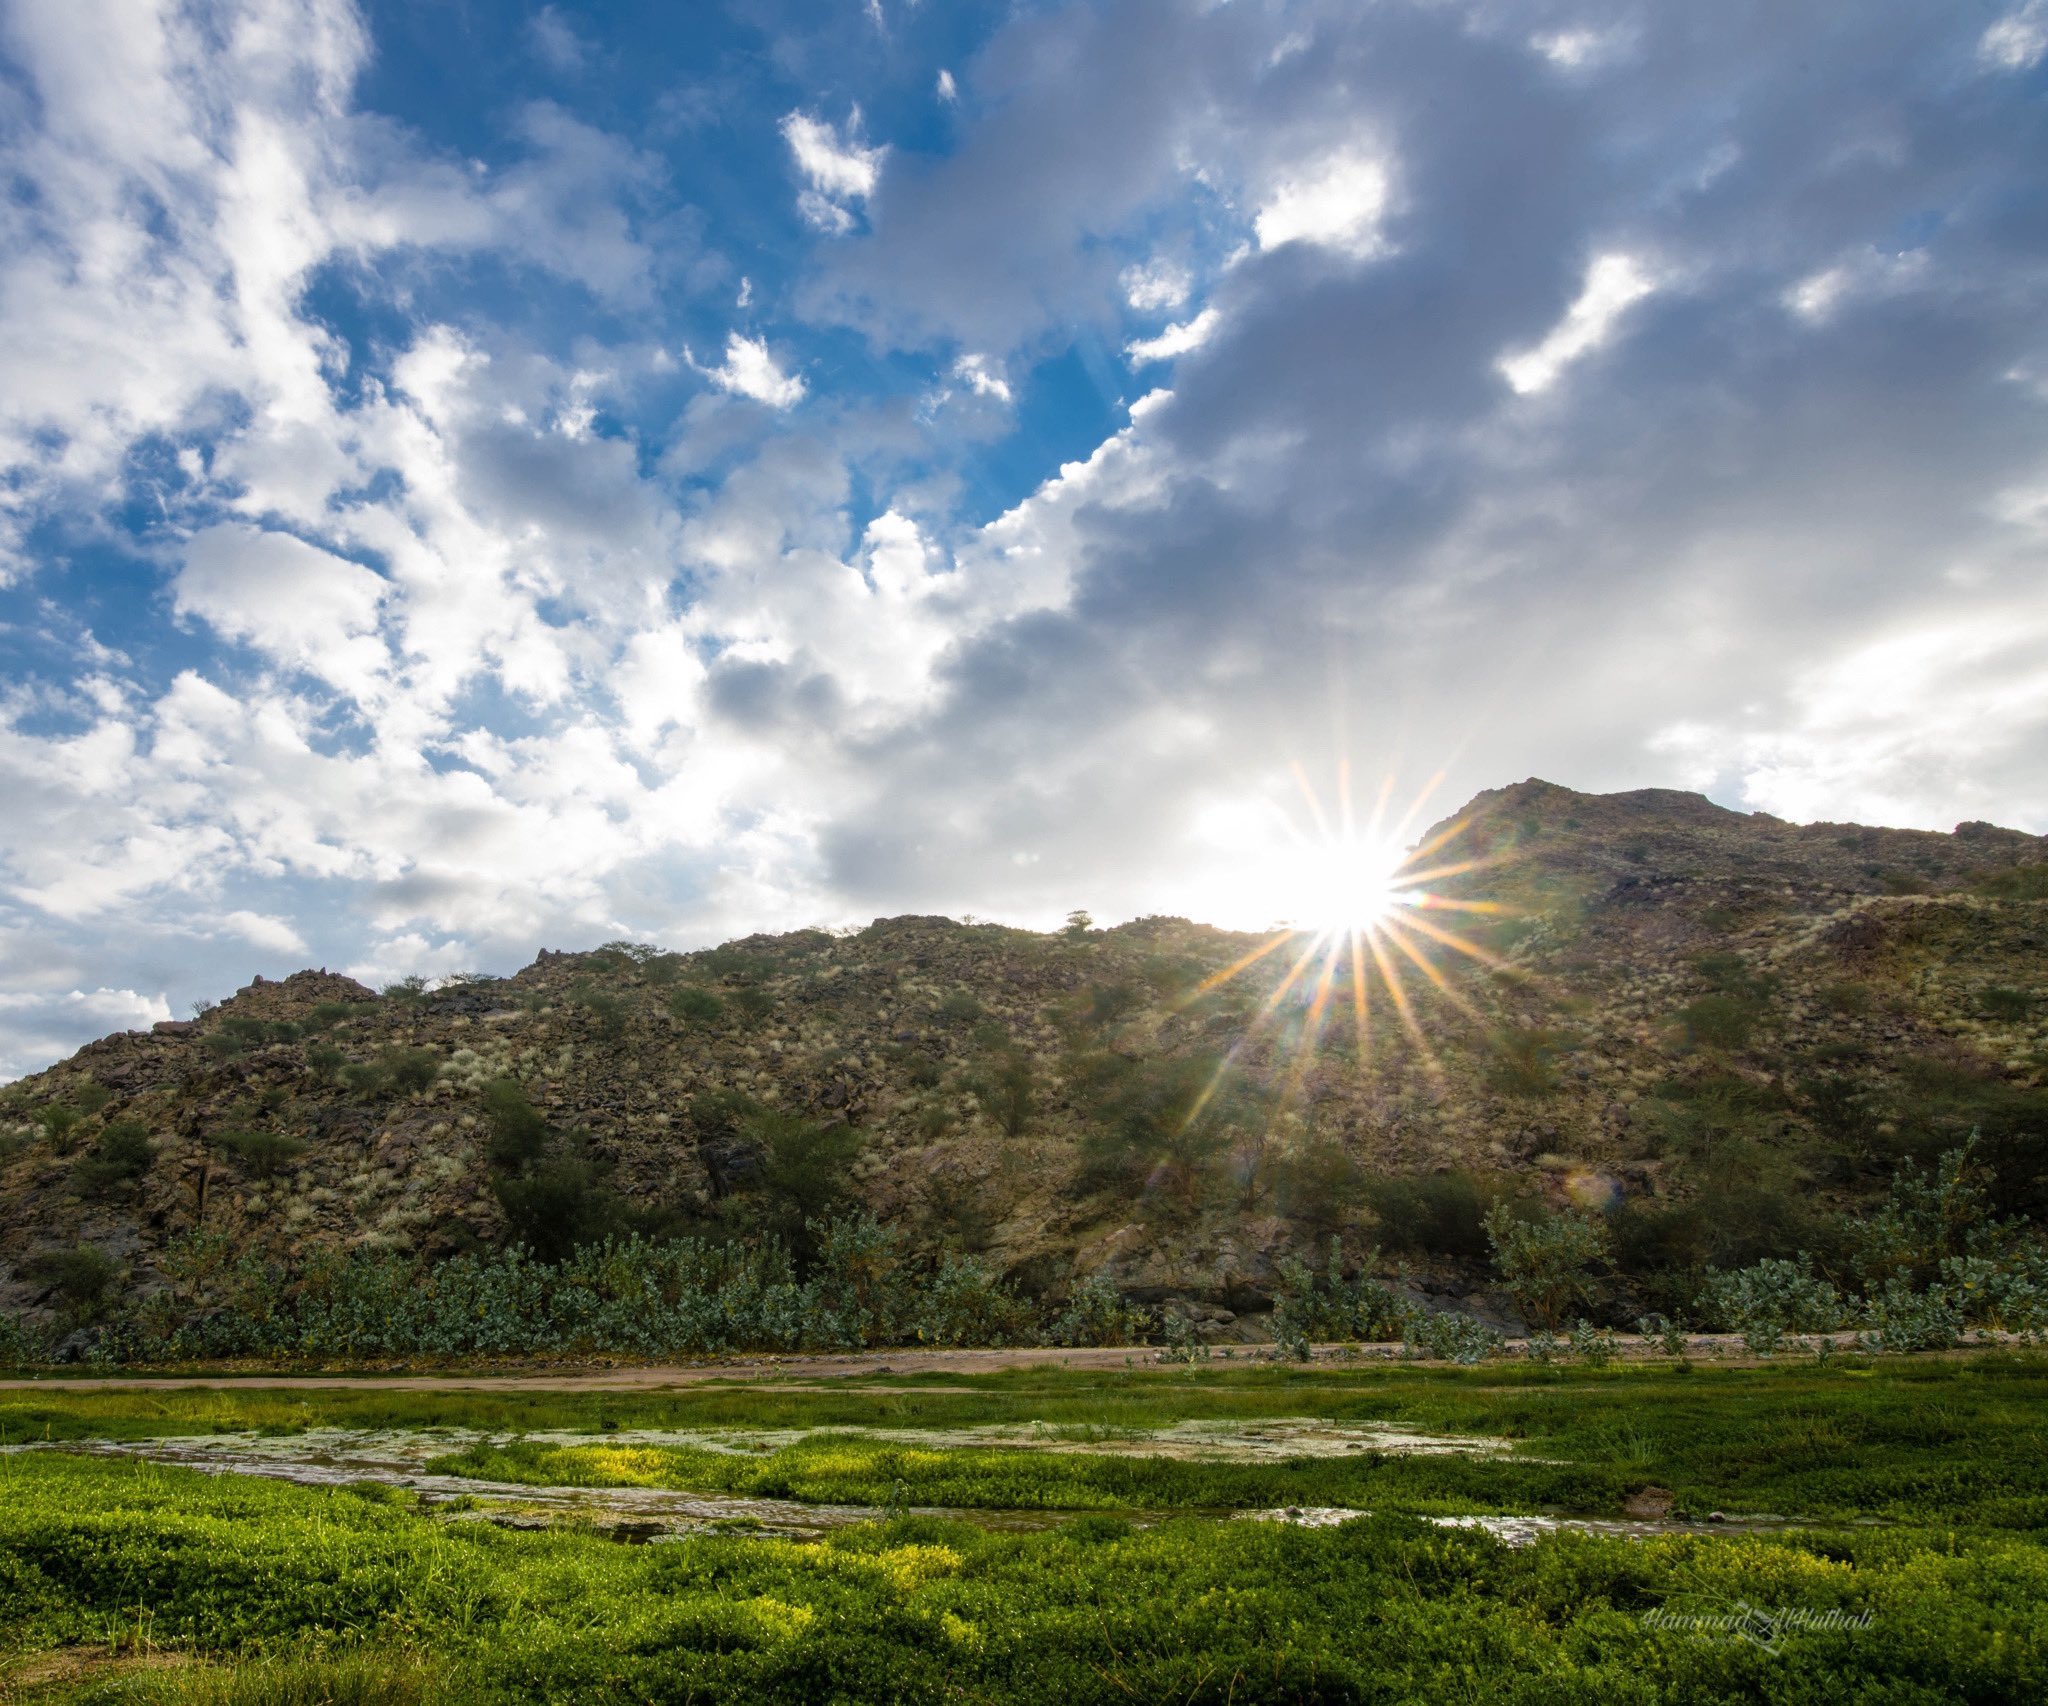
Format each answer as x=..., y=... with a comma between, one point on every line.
x=1175, y=340
x=1335, y=201
x=750, y=370
x=466, y=620
x=1613, y=283
x=836, y=168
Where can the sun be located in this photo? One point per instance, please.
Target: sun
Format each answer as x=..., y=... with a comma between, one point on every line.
x=1368, y=913
x=1342, y=883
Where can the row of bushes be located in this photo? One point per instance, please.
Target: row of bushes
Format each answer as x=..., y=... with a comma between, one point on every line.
x=627, y=1297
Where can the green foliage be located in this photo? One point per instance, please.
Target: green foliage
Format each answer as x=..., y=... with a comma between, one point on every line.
x=801, y=1179
x=327, y=1014
x=661, y=970
x=1450, y=1335
x=1438, y=1214
x=1158, y=1124
x=120, y=1157
x=752, y=1002
x=559, y=1201
x=695, y=1006
x=1096, y=1313
x=1524, y=1061
x=2022, y=882
x=324, y=1061
x=91, y=1098
x=960, y=1007
x=1317, y=1185
x=368, y=1079
x=1004, y=1087
x=606, y=1008
x=395, y=1071
x=406, y=989
x=1928, y=1218
x=518, y=1133
x=1722, y=1021
x=2006, y=1005
x=1308, y=1305
x=1545, y=1260
x=83, y=1278
x=1078, y=925
x=1769, y=1299
x=262, y=1153
x=1108, y=1003
x=59, y=1121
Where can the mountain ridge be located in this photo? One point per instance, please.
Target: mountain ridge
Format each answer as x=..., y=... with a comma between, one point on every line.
x=1671, y=999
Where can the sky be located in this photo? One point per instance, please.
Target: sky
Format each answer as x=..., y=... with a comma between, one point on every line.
x=476, y=478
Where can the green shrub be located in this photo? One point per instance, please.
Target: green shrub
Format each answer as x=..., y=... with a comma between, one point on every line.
x=1722, y=1021
x=518, y=1132
x=369, y=1079
x=324, y=1061
x=122, y=1155
x=1769, y=1299
x=2022, y=882
x=1317, y=1185
x=752, y=1002
x=59, y=1121
x=960, y=1008
x=91, y=1097
x=696, y=1006
x=2008, y=1006
x=1450, y=1335
x=1004, y=1087
x=1439, y=1214
x=1545, y=1261
x=327, y=1014
x=1333, y=1305
x=410, y=1069
x=1524, y=1061
x=1096, y=1313
x=262, y=1154
x=82, y=1277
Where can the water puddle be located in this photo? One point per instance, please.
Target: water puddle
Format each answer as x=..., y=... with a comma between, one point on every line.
x=1527, y=1530
x=337, y=1459
x=398, y=1459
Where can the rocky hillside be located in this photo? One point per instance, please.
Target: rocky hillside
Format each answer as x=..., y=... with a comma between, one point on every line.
x=1720, y=1030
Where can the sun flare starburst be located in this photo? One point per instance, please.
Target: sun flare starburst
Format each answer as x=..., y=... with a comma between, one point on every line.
x=1370, y=920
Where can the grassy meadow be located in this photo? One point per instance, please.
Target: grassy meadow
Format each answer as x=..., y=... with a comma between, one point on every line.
x=1880, y=1539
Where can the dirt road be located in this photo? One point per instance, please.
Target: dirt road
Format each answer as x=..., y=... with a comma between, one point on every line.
x=801, y=1370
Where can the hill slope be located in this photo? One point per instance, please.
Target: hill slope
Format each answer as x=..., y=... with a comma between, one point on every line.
x=1718, y=1028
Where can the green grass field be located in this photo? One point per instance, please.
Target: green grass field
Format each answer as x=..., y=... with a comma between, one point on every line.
x=1907, y=1564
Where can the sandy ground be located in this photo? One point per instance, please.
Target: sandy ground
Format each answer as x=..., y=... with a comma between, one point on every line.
x=796, y=1370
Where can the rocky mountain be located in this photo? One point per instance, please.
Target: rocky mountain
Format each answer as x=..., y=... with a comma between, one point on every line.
x=1721, y=1031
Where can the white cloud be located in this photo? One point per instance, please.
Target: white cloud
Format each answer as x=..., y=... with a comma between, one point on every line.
x=2017, y=41
x=273, y=935
x=836, y=169
x=948, y=91
x=1176, y=340
x=1865, y=274
x=1908, y=727
x=981, y=377
x=1613, y=283
x=1156, y=286
x=749, y=370
x=556, y=42
x=1335, y=201
x=303, y=606
x=36, y=1028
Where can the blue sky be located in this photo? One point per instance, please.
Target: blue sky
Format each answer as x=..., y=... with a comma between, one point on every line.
x=482, y=477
